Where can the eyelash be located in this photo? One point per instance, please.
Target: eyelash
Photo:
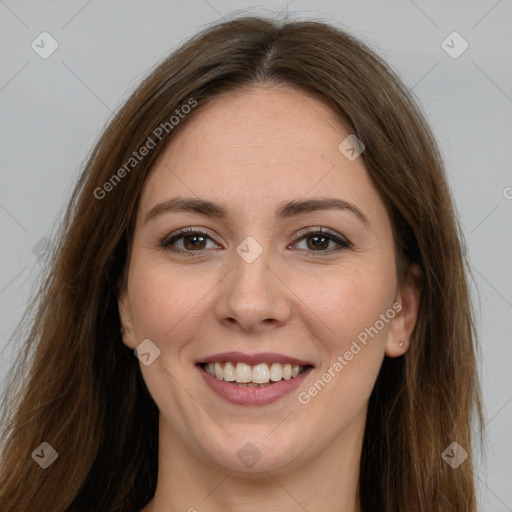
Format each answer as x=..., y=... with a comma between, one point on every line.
x=330, y=235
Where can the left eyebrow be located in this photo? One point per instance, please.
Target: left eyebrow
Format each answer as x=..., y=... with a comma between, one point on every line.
x=300, y=206
x=286, y=210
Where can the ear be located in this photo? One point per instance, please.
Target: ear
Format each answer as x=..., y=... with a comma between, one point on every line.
x=402, y=325
x=125, y=316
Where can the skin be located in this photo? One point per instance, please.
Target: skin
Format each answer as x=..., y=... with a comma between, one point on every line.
x=251, y=151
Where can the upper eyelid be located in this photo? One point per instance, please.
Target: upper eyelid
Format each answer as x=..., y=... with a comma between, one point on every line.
x=188, y=231
x=318, y=229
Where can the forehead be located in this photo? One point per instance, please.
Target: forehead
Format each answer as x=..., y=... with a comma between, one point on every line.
x=278, y=124
x=254, y=148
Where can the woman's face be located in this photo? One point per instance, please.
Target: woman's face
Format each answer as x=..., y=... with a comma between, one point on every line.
x=261, y=283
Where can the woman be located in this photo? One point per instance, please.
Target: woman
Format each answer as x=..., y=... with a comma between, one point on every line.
x=267, y=227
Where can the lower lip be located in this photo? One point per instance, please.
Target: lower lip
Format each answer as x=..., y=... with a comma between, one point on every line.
x=253, y=395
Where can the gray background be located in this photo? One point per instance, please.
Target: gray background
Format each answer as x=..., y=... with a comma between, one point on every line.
x=52, y=110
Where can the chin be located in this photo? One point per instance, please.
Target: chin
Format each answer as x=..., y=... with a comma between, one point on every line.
x=258, y=449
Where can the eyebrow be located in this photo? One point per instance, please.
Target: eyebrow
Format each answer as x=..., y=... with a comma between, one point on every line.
x=285, y=210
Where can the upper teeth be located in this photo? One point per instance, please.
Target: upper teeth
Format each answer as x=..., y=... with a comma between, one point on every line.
x=258, y=374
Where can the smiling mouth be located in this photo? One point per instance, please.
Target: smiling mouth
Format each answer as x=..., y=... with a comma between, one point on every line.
x=247, y=375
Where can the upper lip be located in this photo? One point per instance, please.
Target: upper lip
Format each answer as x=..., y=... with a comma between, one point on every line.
x=252, y=359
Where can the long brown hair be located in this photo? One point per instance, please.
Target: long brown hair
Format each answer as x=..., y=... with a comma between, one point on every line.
x=77, y=387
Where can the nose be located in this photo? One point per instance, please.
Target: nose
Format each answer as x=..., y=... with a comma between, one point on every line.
x=252, y=296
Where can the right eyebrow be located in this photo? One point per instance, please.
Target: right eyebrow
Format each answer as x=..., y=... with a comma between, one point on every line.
x=190, y=204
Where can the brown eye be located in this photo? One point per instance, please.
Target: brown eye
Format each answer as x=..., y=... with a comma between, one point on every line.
x=189, y=240
x=194, y=241
x=321, y=241
x=318, y=242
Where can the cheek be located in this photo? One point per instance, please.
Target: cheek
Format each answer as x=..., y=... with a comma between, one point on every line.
x=162, y=301
x=359, y=316
x=346, y=301
x=347, y=323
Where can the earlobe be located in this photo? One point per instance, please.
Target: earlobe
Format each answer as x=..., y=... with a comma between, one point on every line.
x=402, y=325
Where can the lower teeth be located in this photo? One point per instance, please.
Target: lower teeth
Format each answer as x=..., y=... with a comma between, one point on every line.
x=250, y=384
